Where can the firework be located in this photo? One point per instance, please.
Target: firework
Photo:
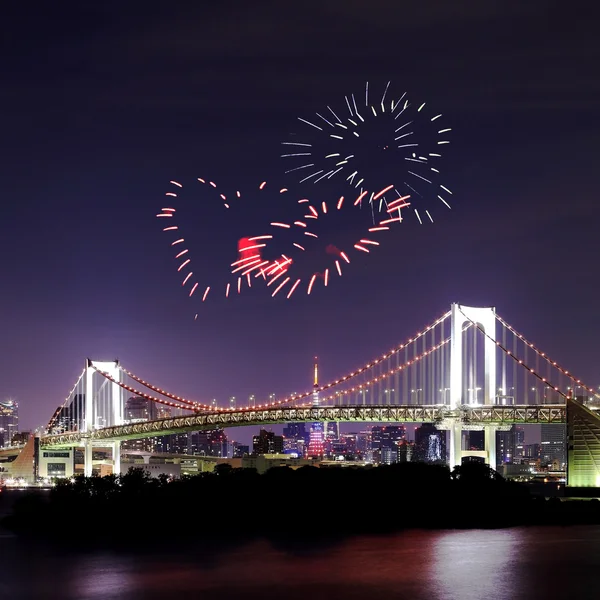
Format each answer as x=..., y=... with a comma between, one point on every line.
x=190, y=268
x=370, y=139
x=306, y=258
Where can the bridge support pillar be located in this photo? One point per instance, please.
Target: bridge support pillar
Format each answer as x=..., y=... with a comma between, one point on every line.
x=87, y=457
x=490, y=445
x=455, y=445
x=486, y=319
x=116, y=456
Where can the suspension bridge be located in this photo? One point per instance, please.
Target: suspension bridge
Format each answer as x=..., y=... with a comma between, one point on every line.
x=467, y=370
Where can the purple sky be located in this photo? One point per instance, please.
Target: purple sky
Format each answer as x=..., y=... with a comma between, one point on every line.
x=101, y=105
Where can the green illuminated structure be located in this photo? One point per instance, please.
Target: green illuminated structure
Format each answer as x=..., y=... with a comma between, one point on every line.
x=583, y=435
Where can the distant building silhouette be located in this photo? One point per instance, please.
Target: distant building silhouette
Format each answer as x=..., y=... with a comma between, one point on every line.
x=266, y=442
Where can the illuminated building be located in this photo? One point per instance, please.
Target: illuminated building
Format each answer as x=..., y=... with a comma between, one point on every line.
x=384, y=442
x=316, y=447
x=333, y=431
x=532, y=451
x=137, y=410
x=509, y=446
x=239, y=450
x=363, y=446
x=518, y=443
x=66, y=418
x=9, y=421
x=20, y=438
x=295, y=431
x=266, y=442
x=430, y=444
x=405, y=451
x=177, y=443
x=209, y=443
x=345, y=446
x=388, y=455
x=295, y=438
x=554, y=443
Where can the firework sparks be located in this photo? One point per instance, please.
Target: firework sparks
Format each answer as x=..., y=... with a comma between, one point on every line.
x=279, y=273
x=402, y=130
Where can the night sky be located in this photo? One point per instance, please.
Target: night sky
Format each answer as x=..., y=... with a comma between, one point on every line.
x=102, y=104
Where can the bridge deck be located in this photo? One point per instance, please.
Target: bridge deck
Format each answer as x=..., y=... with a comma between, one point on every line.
x=441, y=415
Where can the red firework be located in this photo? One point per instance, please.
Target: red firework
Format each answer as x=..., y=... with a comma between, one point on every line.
x=249, y=248
x=279, y=273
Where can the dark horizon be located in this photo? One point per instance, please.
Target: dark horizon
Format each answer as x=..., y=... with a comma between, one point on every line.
x=103, y=105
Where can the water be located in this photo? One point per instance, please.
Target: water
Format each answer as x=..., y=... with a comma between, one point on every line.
x=521, y=563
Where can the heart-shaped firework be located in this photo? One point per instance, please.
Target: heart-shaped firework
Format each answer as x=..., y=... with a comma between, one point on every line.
x=307, y=256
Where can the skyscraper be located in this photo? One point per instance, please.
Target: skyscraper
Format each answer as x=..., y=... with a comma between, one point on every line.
x=509, y=446
x=138, y=409
x=69, y=417
x=333, y=430
x=266, y=442
x=385, y=440
x=295, y=438
x=9, y=420
x=212, y=442
x=554, y=444
x=430, y=444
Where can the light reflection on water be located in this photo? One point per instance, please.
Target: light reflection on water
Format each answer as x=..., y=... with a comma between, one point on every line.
x=532, y=564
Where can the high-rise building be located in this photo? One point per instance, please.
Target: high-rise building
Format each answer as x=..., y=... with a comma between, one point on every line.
x=388, y=455
x=364, y=450
x=348, y=443
x=405, y=451
x=69, y=417
x=430, y=444
x=509, y=446
x=239, y=450
x=212, y=442
x=333, y=430
x=295, y=431
x=139, y=409
x=9, y=421
x=266, y=442
x=504, y=448
x=295, y=438
x=176, y=443
x=554, y=444
x=532, y=451
x=519, y=443
x=384, y=442
x=387, y=435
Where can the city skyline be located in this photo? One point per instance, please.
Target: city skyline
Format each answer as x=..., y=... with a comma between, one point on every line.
x=82, y=256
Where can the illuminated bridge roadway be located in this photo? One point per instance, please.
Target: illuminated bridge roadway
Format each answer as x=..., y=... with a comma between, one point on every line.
x=441, y=415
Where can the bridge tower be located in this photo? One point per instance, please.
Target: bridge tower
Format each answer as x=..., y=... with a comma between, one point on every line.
x=485, y=318
x=110, y=411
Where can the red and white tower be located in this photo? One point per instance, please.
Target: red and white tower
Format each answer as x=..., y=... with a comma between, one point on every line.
x=316, y=438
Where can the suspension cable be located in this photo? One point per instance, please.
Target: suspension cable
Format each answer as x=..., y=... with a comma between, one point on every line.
x=546, y=358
